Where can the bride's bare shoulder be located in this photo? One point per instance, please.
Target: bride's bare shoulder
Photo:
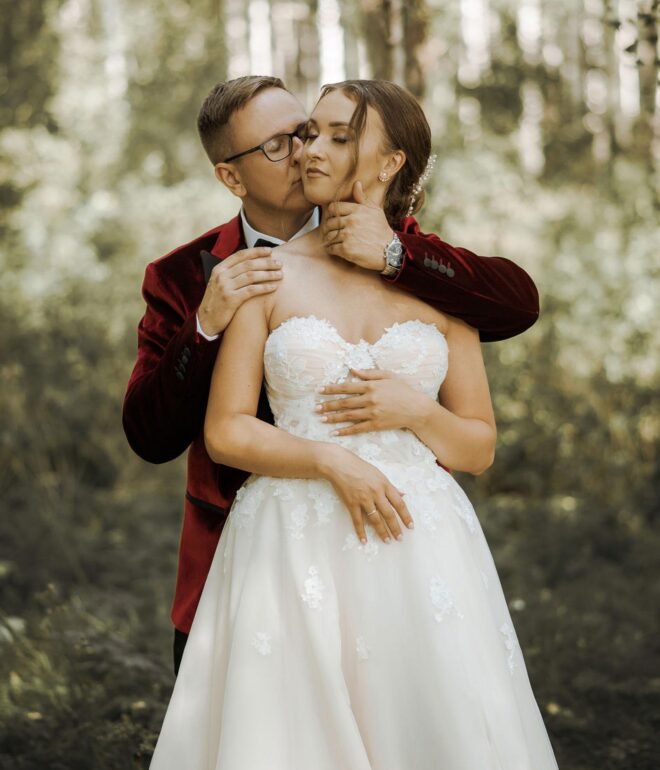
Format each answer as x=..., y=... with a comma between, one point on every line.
x=460, y=330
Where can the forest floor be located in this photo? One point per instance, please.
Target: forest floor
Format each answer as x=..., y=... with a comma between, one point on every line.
x=86, y=657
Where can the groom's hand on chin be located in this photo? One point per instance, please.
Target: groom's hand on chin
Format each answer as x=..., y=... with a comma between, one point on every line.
x=357, y=232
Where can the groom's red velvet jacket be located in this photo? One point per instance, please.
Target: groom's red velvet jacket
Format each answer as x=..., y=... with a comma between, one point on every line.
x=165, y=401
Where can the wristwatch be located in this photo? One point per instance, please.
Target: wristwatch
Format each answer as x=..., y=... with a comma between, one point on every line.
x=393, y=256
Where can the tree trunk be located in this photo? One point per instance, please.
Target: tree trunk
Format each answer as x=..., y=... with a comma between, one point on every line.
x=647, y=45
x=377, y=30
x=351, y=27
x=415, y=32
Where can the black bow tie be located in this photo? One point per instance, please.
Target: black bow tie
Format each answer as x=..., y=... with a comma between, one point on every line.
x=264, y=242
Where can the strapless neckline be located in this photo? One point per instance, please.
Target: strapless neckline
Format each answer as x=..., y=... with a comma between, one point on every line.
x=361, y=342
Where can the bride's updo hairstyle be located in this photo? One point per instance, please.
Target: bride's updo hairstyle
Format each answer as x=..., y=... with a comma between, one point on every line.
x=404, y=128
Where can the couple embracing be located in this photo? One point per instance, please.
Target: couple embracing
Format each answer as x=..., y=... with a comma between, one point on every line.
x=337, y=606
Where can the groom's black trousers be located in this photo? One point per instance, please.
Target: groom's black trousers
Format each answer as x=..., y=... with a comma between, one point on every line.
x=180, y=640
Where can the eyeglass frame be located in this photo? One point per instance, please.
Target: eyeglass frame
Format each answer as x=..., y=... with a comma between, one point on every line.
x=289, y=136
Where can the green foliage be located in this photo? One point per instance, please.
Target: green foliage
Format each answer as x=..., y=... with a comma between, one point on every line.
x=100, y=172
x=79, y=693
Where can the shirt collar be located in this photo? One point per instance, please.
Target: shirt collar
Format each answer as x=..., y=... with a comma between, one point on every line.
x=252, y=235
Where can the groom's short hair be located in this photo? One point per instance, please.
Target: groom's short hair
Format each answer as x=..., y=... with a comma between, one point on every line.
x=221, y=103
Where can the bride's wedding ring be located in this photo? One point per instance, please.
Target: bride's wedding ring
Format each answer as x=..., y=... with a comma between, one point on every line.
x=371, y=513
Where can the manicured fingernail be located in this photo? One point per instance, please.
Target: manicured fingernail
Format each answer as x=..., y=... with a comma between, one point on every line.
x=324, y=419
x=335, y=433
x=318, y=408
x=388, y=539
x=363, y=540
x=399, y=537
x=411, y=525
x=321, y=390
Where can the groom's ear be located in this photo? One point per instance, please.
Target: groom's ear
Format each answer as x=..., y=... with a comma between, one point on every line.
x=230, y=176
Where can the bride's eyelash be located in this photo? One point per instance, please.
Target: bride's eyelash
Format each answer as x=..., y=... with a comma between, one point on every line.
x=308, y=137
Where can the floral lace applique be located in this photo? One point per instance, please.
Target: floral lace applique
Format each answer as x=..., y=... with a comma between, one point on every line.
x=389, y=437
x=247, y=502
x=314, y=588
x=510, y=642
x=370, y=548
x=427, y=337
x=324, y=501
x=358, y=356
x=283, y=489
x=463, y=507
x=262, y=642
x=369, y=451
x=362, y=648
x=334, y=370
x=442, y=599
x=439, y=479
x=426, y=510
x=299, y=518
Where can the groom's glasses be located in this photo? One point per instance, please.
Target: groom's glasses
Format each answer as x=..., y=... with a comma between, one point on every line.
x=276, y=148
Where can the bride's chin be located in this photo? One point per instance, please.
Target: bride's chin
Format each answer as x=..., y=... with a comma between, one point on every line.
x=315, y=196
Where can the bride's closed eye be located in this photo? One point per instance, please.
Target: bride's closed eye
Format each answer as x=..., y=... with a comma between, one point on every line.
x=309, y=137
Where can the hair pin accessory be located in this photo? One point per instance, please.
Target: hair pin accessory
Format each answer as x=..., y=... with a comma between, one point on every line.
x=419, y=184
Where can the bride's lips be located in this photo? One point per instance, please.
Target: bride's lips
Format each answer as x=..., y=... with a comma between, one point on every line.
x=314, y=172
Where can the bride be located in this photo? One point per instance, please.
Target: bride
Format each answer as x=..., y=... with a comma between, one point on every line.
x=353, y=618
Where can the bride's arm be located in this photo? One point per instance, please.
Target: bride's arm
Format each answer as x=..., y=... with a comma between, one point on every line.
x=460, y=430
x=235, y=436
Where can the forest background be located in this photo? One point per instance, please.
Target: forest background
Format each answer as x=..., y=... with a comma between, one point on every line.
x=546, y=124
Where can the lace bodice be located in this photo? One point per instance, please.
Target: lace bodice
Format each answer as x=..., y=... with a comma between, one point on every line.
x=305, y=353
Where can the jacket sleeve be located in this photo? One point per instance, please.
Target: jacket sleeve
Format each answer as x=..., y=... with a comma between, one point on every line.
x=491, y=294
x=167, y=392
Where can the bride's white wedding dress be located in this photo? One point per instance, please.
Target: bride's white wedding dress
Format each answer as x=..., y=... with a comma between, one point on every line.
x=311, y=651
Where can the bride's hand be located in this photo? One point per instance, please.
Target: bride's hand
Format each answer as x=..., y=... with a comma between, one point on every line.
x=382, y=401
x=364, y=490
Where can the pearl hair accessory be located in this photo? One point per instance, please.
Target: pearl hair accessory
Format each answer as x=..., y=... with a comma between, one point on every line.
x=419, y=184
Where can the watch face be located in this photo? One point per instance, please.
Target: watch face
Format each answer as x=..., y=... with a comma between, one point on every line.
x=395, y=260
x=395, y=252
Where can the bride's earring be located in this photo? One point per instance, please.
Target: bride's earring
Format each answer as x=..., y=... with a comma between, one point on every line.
x=382, y=176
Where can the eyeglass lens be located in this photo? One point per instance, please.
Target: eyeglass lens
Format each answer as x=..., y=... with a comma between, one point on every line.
x=279, y=147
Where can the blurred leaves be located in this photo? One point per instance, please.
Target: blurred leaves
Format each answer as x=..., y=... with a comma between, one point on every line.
x=101, y=172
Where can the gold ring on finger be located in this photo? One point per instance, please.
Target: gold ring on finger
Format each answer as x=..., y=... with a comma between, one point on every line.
x=371, y=513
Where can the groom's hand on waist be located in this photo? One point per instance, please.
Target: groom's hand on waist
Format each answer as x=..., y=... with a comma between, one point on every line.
x=245, y=274
x=357, y=231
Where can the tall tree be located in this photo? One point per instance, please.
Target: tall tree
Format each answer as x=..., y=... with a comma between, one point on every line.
x=28, y=47
x=647, y=46
x=377, y=22
x=351, y=25
x=173, y=69
x=415, y=32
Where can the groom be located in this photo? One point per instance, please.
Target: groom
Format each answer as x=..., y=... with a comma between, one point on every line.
x=250, y=130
